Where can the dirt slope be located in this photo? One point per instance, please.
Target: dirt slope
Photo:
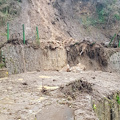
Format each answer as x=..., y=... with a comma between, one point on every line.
x=56, y=20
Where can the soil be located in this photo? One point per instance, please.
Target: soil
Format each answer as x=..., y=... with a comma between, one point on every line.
x=22, y=95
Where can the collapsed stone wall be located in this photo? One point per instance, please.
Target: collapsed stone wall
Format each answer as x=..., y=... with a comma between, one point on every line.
x=94, y=56
x=55, y=56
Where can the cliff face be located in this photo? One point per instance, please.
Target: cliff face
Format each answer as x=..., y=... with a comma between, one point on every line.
x=60, y=20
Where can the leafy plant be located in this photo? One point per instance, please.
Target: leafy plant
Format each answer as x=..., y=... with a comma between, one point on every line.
x=118, y=99
x=117, y=16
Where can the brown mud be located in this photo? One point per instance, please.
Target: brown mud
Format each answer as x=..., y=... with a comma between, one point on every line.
x=22, y=99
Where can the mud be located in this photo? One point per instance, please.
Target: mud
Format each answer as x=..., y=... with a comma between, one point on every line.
x=21, y=96
x=56, y=112
x=73, y=89
x=85, y=52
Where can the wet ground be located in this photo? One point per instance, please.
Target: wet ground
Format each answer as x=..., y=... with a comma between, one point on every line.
x=24, y=96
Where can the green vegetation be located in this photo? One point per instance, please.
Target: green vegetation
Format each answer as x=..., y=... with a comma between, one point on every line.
x=8, y=10
x=2, y=65
x=118, y=99
x=2, y=60
x=107, y=13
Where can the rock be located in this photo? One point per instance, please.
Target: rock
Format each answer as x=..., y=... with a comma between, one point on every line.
x=55, y=112
x=78, y=68
x=65, y=68
x=81, y=66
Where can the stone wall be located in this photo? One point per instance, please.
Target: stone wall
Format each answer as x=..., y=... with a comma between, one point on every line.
x=114, y=62
x=22, y=58
x=108, y=108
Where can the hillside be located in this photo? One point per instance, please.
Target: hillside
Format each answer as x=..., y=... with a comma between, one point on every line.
x=61, y=19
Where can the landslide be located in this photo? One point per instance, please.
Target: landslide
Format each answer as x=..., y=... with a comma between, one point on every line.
x=60, y=20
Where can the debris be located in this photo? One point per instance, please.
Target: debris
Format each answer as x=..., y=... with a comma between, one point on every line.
x=24, y=83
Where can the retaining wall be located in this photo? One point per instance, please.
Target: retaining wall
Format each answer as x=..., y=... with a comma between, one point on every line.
x=21, y=58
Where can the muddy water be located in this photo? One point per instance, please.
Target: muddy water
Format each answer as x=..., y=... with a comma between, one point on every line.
x=55, y=112
x=23, y=101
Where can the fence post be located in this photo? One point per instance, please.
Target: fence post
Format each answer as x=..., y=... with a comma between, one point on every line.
x=7, y=31
x=23, y=34
x=37, y=34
